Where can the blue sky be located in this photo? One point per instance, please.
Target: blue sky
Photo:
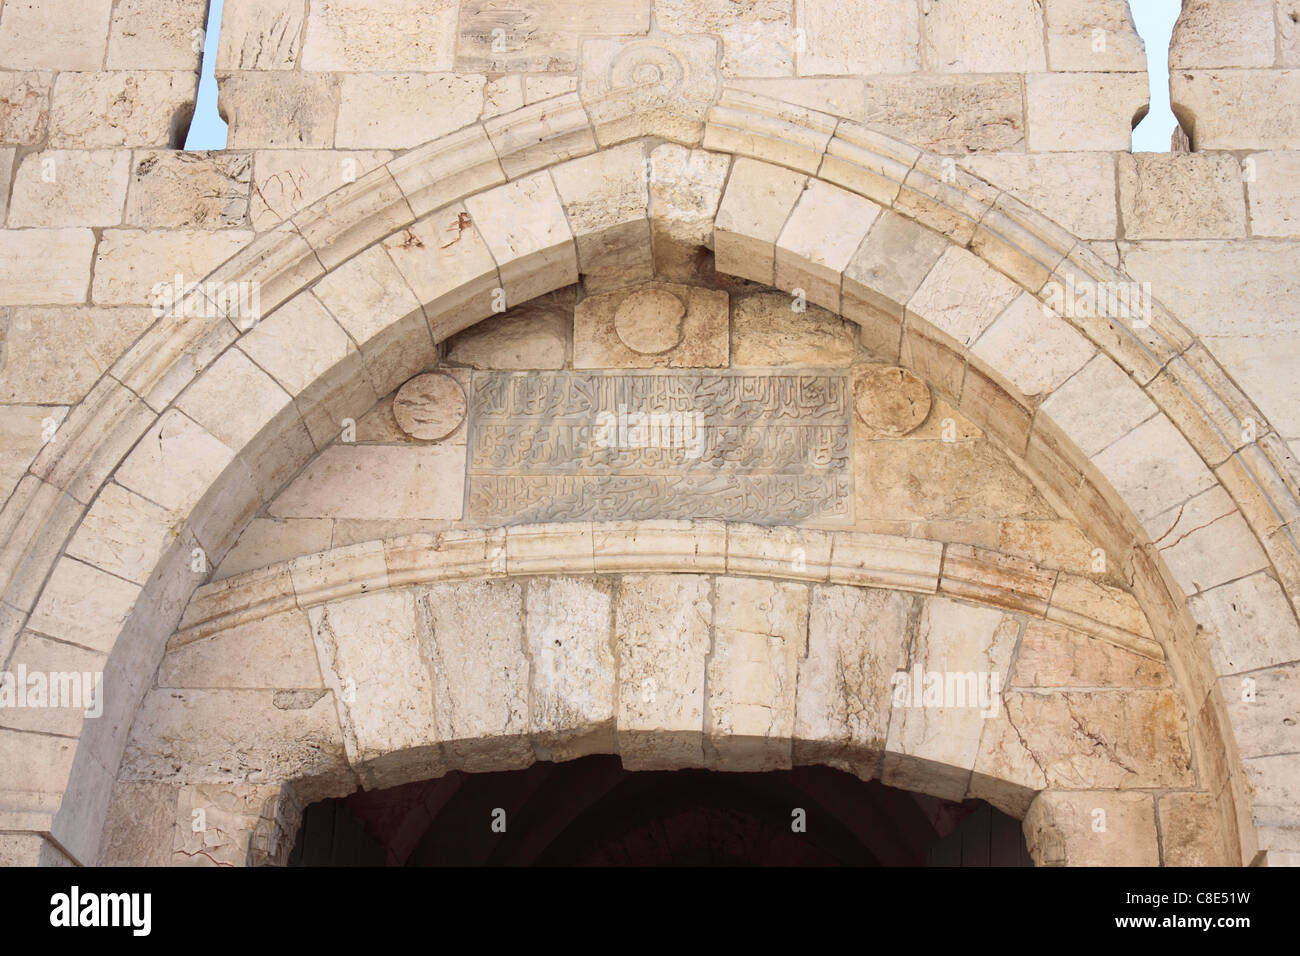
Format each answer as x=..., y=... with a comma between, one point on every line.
x=1155, y=22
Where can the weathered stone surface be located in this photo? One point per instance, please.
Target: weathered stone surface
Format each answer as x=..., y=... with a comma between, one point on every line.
x=1093, y=35
x=135, y=108
x=158, y=34
x=1062, y=829
x=287, y=181
x=757, y=35
x=400, y=110
x=949, y=114
x=698, y=338
x=1231, y=109
x=254, y=736
x=932, y=744
x=760, y=635
x=1078, y=111
x=1207, y=542
x=767, y=331
x=243, y=824
x=1154, y=468
x=567, y=635
x=46, y=266
x=24, y=107
x=271, y=652
x=377, y=482
x=1181, y=196
x=273, y=109
x=962, y=296
x=842, y=37
x=267, y=540
x=524, y=224
x=543, y=36
x=685, y=190
x=1100, y=383
x=856, y=639
x=123, y=534
x=1249, y=624
x=1052, y=655
x=1273, y=187
x=531, y=336
x=606, y=197
x=68, y=693
x=430, y=407
x=182, y=190
x=1209, y=35
x=24, y=429
x=1076, y=190
x=662, y=638
x=890, y=401
x=36, y=36
x=754, y=208
x=260, y=35
x=131, y=264
x=70, y=188
x=1189, y=825
x=56, y=355
x=823, y=232
x=140, y=825
x=995, y=36
x=380, y=35
x=480, y=671
x=1032, y=347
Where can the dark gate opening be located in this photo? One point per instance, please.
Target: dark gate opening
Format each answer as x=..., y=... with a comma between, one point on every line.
x=592, y=812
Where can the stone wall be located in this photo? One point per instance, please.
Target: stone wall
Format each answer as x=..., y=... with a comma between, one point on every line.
x=893, y=172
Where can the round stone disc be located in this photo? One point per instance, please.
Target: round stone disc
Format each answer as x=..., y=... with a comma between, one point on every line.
x=891, y=400
x=429, y=407
x=650, y=321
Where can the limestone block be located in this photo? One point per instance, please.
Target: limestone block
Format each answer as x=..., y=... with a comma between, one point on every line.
x=842, y=37
x=275, y=651
x=760, y=635
x=260, y=35
x=557, y=546
x=38, y=36
x=838, y=96
x=823, y=232
x=685, y=191
x=400, y=110
x=1189, y=830
x=1099, y=384
x=646, y=546
x=183, y=190
x=24, y=430
x=367, y=295
x=932, y=748
x=70, y=188
x=380, y=35
x=567, y=635
x=1093, y=35
x=480, y=670
x=175, y=464
x=884, y=274
x=1209, y=35
x=875, y=560
x=542, y=36
x=268, y=540
x=503, y=95
x=1076, y=190
x=131, y=265
x=540, y=135
x=544, y=86
x=754, y=208
x=1153, y=468
x=662, y=640
x=242, y=825
x=675, y=326
x=1061, y=829
x=606, y=197
x=757, y=35
x=994, y=36
x=83, y=605
x=46, y=266
x=252, y=736
x=378, y=667
x=339, y=572
x=531, y=336
x=449, y=267
x=68, y=694
x=123, y=534
x=158, y=34
x=297, y=343
x=126, y=108
x=1234, y=109
x=234, y=399
x=1181, y=196
x=1249, y=624
x=56, y=355
x=1052, y=655
x=24, y=107
x=1273, y=186
x=661, y=86
x=1084, y=604
x=276, y=110
x=999, y=580
x=524, y=225
x=140, y=826
x=1261, y=362
x=856, y=639
x=1261, y=708
x=287, y=181
x=377, y=482
x=1288, y=36
x=767, y=331
x=961, y=296
x=1207, y=542
x=1032, y=347
x=1083, y=111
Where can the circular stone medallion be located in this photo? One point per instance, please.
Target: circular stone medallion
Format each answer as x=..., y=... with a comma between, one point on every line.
x=891, y=400
x=650, y=321
x=429, y=407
